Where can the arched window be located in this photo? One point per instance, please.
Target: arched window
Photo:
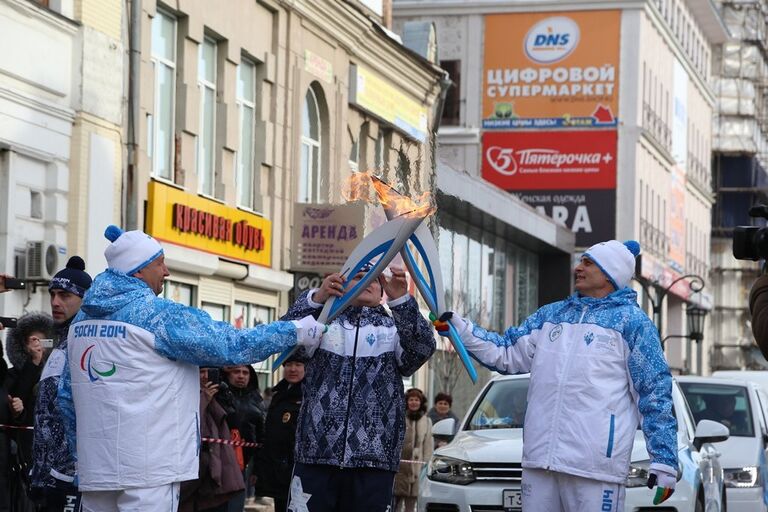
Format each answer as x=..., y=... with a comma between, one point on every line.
x=311, y=144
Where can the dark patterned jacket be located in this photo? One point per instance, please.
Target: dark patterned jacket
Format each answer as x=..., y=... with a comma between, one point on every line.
x=353, y=413
x=52, y=464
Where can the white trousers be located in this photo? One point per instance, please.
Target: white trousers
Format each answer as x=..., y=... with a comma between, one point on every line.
x=549, y=491
x=164, y=498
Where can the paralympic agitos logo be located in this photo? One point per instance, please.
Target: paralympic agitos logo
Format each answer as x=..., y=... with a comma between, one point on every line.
x=87, y=366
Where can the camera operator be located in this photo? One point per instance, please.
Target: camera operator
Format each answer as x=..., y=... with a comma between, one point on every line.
x=751, y=243
x=758, y=307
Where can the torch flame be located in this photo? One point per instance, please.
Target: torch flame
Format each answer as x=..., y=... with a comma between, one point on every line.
x=358, y=188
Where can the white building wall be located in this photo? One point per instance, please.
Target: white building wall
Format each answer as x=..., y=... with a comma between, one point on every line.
x=37, y=84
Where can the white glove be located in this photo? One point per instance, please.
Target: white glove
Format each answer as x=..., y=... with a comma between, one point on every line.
x=441, y=324
x=664, y=483
x=309, y=332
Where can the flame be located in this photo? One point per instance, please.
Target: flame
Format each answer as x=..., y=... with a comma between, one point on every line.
x=358, y=188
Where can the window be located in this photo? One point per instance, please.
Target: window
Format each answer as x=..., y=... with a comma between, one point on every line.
x=164, y=62
x=246, y=105
x=311, y=133
x=179, y=292
x=206, y=81
x=250, y=315
x=452, y=106
x=217, y=311
x=381, y=162
x=354, y=153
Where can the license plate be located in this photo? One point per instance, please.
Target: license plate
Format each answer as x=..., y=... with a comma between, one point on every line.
x=512, y=500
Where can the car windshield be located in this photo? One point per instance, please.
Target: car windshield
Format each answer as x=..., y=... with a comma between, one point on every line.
x=726, y=404
x=502, y=406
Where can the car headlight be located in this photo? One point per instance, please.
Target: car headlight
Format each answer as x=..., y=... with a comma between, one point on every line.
x=742, y=477
x=638, y=473
x=450, y=470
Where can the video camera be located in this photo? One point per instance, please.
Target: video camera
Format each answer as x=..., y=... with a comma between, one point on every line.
x=751, y=242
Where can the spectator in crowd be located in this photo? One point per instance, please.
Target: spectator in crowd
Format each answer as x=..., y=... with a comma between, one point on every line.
x=53, y=469
x=267, y=396
x=245, y=420
x=274, y=460
x=417, y=447
x=351, y=425
x=5, y=419
x=5, y=440
x=133, y=365
x=27, y=354
x=219, y=473
x=442, y=411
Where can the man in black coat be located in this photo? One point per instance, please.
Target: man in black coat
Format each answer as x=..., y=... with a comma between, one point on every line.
x=274, y=461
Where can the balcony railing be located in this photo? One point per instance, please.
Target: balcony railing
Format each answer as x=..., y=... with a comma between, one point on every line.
x=657, y=127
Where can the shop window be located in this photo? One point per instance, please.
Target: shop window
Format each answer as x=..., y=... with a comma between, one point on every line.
x=247, y=179
x=452, y=106
x=311, y=147
x=206, y=137
x=162, y=122
x=179, y=292
x=218, y=312
x=250, y=315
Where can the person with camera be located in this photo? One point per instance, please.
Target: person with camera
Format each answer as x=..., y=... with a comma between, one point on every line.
x=597, y=370
x=132, y=385
x=758, y=307
x=53, y=468
x=27, y=354
x=219, y=472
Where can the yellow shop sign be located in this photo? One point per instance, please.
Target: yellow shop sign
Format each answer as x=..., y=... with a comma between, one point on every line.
x=199, y=223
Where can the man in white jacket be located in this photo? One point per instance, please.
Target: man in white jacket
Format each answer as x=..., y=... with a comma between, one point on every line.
x=597, y=369
x=132, y=382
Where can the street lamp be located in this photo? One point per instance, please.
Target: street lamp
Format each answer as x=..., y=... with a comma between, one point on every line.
x=696, y=284
x=695, y=316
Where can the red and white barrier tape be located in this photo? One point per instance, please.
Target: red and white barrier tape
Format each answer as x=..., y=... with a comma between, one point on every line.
x=16, y=427
x=232, y=443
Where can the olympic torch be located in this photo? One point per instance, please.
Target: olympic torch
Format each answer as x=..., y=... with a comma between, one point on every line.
x=384, y=243
x=431, y=285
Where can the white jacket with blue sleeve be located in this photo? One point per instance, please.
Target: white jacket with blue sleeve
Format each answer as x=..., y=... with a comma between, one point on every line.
x=597, y=368
x=132, y=384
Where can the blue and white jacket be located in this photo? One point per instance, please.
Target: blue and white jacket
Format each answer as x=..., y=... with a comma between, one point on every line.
x=132, y=383
x=597, y=368
x=353, y=413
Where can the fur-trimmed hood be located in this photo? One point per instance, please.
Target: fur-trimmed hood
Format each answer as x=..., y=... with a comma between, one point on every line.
x=27, y=324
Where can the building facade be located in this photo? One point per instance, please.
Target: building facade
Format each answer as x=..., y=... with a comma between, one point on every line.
x=597, y=115
x=739, y=167
x=61, y=155
x=239, y=130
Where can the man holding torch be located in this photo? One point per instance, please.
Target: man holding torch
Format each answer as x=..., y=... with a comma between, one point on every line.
x=352, y=419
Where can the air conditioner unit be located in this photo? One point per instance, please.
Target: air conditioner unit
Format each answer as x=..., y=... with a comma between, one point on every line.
x=44, y=259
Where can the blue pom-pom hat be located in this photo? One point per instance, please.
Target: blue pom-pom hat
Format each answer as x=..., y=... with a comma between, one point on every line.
x=616, y=260
x=130, y=251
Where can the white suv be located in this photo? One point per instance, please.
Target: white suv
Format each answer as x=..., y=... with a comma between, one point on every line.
x=480, y=470
x=739, y=405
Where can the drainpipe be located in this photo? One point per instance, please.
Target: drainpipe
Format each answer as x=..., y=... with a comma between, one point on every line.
x=130, y=180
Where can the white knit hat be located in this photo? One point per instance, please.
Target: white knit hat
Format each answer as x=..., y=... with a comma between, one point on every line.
x=130, y=251
x=616, y=260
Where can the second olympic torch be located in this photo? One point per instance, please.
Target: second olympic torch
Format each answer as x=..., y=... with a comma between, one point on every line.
x=431, y=285
x=377, y=249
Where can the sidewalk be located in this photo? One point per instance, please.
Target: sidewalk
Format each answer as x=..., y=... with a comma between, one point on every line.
x=263, y=505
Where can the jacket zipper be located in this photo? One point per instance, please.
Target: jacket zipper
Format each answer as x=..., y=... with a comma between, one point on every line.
x=560, y=390
x=349, y=395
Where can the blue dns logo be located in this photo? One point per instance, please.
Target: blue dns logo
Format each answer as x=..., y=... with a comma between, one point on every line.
x=551, y=39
